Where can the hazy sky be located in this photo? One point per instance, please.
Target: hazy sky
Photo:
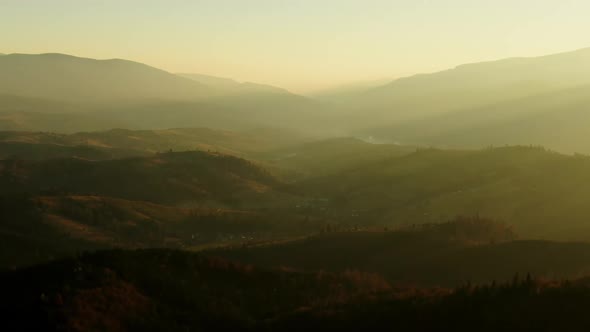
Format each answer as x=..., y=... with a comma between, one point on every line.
x=301, y=45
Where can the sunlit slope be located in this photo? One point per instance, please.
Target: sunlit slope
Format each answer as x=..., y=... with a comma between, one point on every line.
x=541, y=193
x=174, y=178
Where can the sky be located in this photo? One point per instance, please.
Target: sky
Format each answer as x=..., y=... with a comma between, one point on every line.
x=300, y=45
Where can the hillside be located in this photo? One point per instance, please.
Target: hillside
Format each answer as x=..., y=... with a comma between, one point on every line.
x=229, y=87
x=39, y=120
x=174, y=178
x=42, y=151
x=556, y=120
x=346, y=181
x=38, y=229
x=13, y=103
x=469, y=87
x=119, y=143
x=328, y=156
x=449, y=254
x=57, y=92
x=541, y=193
x=164, y=289
x=173, y=290
x=69, y=78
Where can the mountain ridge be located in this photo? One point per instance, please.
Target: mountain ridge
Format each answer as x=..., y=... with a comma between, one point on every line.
x=469, y=86
x=70, y=78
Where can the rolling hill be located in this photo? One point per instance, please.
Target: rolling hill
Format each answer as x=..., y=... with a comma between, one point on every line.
x=448, y=254
x=182, y=178
x=37, y=229
x=118, y=143
x=345, y=180
x=541, y=193
x=328, y=156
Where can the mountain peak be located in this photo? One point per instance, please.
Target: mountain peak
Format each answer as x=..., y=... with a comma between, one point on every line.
x=70, y=78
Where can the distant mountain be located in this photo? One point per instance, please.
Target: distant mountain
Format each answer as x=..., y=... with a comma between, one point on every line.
x=227, y=86
x=470, y=86
x=69, y=78
x=345, y=92
x=125, y=94
x=210, y=80
x=557, y=120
